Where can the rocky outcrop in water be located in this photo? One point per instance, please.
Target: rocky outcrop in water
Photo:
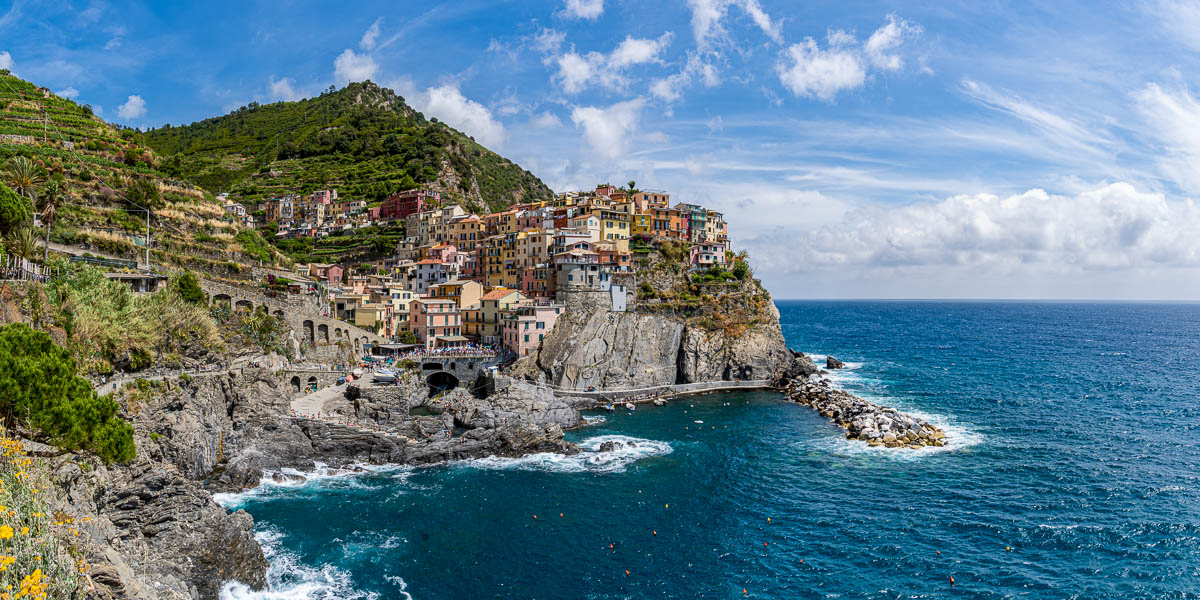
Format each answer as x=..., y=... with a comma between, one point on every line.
x=876, y=425
x=833, y=363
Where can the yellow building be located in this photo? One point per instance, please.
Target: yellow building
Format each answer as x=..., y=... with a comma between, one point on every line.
x=641, y=223
x=463, y=292
x=483, y=320
x=615, y=227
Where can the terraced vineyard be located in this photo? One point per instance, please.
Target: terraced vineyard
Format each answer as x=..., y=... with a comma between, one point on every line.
x=108, y=176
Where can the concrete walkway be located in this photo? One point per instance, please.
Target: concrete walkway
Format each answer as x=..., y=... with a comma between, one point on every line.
x=313, y=404
x=674, y=389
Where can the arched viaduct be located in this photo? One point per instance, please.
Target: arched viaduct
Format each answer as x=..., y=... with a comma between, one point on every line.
x=302, y=314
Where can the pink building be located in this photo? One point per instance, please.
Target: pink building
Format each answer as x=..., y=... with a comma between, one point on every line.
x=444, y=253
x=525, y=327
x=437, y=323
x=708, y=254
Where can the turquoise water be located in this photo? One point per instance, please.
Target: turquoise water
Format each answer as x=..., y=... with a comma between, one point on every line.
x=1075, y=441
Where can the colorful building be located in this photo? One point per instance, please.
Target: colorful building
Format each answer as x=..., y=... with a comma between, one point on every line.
x=525, y=327
x=436, y=322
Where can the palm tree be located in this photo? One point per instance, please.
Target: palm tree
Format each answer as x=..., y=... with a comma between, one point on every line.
x=22, y=242
x=52, y=195
x=632, y=186
x=23, y=176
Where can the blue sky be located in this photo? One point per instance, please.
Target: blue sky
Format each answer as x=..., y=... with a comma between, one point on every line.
x=866, y=149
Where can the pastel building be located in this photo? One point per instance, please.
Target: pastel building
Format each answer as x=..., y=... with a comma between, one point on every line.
x=436, y=322
x=525, y=327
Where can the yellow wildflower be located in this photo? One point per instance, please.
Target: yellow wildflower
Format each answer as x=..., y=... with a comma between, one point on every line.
x=5, y=532
x=24, y=531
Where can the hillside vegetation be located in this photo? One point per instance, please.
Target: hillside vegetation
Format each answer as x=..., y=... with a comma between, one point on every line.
x=102, y=175
x=362, y=140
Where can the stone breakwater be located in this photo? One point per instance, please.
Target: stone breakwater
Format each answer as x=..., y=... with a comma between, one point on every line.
x=876, y=425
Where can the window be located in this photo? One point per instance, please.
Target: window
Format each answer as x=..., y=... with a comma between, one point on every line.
x=527, y=337
x=541, y=337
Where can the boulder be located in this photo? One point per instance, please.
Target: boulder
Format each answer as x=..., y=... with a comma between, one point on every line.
x=833, y=363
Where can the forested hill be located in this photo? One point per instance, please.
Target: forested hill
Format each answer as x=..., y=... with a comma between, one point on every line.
x=362, y=140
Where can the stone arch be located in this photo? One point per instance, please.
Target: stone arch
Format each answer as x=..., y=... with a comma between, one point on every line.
x=323, y=333
x=278, y=314
x=295, y=384
x=223, y=299
x=309, y=335
x=441, y=381
x=244, y=306
x=312, y=382
x=357, y=345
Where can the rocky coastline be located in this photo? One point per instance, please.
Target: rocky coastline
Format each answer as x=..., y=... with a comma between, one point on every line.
x=879, y=426
x=157, y=533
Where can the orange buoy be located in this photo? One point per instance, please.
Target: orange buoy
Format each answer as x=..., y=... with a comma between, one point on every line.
x=764, y=544
x=655, y=532
x=743, y=591
x=951, y=580
x=610, y=546
x=939, y=552
x=560, y=514
x=1008, y=548
x=626, y=572
x=802, y=561
x=768, y=519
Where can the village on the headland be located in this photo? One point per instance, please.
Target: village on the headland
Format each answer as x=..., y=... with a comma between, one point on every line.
x=494, y=281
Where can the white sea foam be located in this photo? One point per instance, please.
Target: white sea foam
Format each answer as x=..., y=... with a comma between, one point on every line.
x=591, y=459
x=289, y=579
x=959, y=436
x=593, y=420
x=286, y=480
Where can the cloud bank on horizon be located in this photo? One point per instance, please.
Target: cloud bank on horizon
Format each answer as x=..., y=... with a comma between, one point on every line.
x=1017, y=151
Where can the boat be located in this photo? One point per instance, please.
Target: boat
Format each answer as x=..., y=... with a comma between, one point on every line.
x=659, y=401
x=630, y=405
x=609, y=407
x=383, y=376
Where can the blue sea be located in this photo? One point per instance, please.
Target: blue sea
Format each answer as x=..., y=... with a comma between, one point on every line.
x=1073, y=471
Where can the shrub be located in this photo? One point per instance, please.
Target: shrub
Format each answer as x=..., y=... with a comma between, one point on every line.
x=15, y=210
x=188, y=287
x=39, y=386
x=741, y=270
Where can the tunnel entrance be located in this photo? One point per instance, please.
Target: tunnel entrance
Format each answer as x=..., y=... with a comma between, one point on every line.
x=441, y=382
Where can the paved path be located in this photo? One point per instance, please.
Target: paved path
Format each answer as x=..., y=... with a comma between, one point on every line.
x=313, y=404
x=115, y=384
x=677, y=388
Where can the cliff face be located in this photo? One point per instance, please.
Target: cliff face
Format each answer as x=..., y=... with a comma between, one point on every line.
x=595, y=347
x=611, y=350
x=156, y=532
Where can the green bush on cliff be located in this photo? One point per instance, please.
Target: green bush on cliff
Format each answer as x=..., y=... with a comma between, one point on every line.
x=39, y=387
x=15, y=210
x=188, y=287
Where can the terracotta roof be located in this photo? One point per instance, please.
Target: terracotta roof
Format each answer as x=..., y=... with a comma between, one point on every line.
x=498, y=293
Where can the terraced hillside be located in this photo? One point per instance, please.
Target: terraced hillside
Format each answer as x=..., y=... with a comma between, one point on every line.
x=107, y=175
x=362, y=140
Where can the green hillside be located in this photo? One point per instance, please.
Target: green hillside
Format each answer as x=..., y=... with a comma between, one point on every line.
x=362, y=140
x=105, y=174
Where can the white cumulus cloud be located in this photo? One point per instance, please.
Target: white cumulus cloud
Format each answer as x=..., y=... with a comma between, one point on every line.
x=1112, y=227
x=708, y=17
x=576, y=71
x=881, y=46
x=809, y=71
x=583, y=9
x=350, y=66
x=447, y=103
x=67, y=92
x=133, y=108
x=370, y=37
x=6, y=61
x=282, y=89
x=608, y=129
x=546, y=120
x=813, y=72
